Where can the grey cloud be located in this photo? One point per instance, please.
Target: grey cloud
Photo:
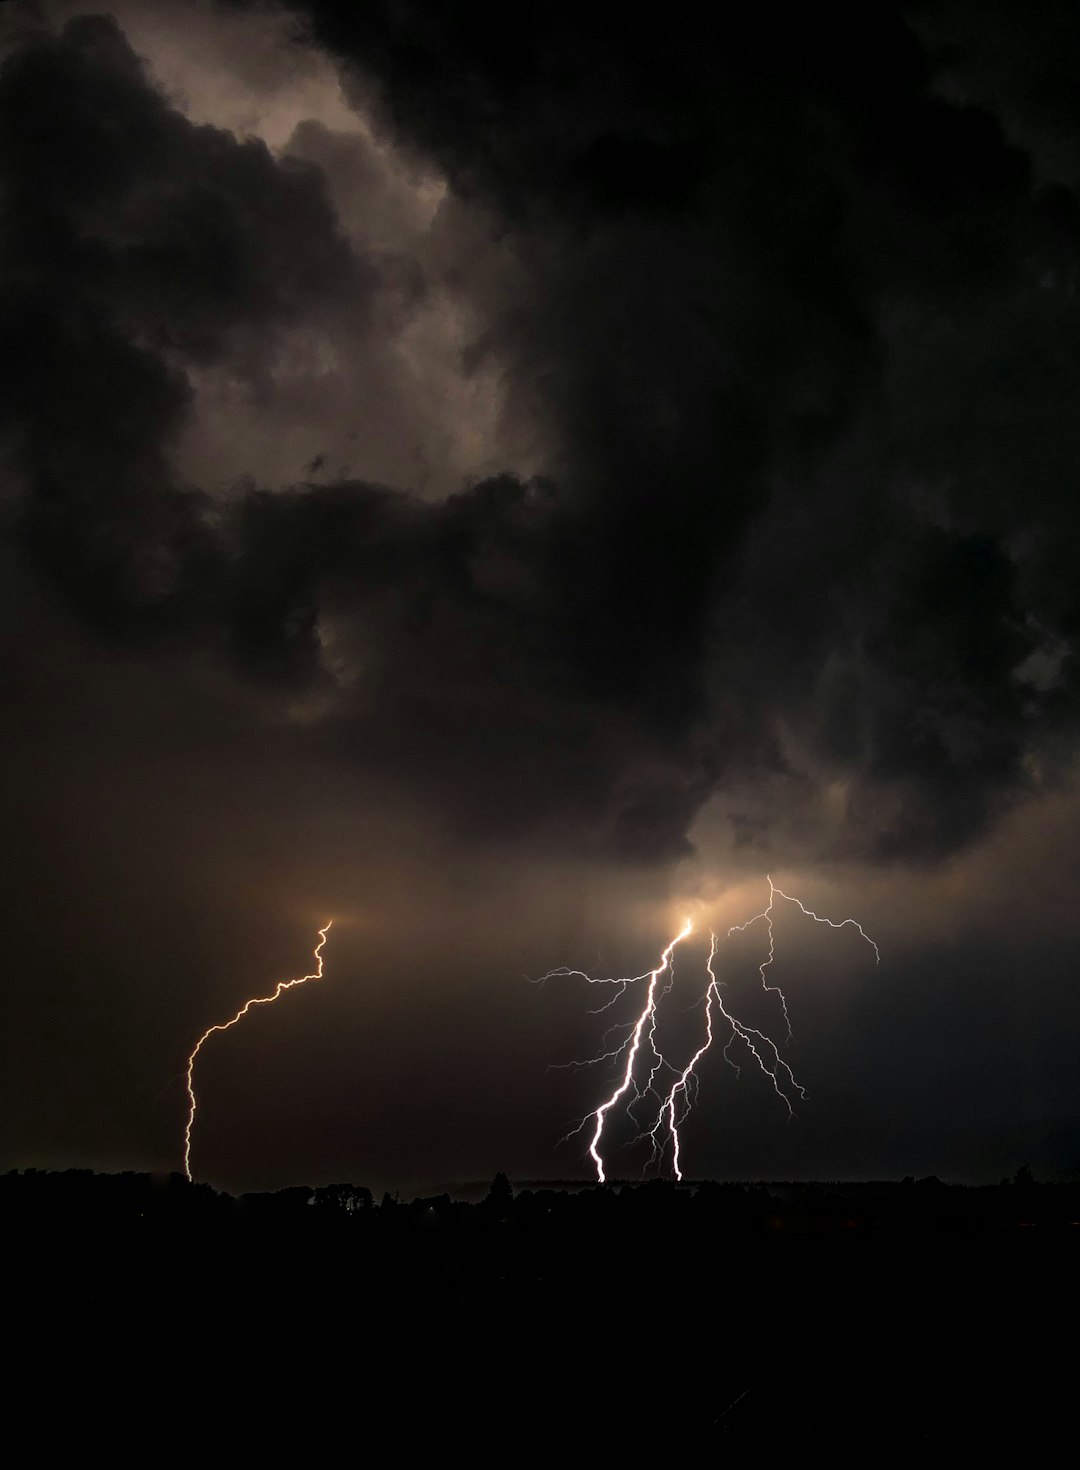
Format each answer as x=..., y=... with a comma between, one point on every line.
x=773, y=337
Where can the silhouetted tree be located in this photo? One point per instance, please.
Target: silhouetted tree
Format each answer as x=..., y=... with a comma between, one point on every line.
x=500, y=1197
x=347, y=1198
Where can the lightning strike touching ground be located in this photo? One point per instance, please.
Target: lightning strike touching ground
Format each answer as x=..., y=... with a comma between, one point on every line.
x=648, y=1014
x=257, y=1000
x=673, y=1107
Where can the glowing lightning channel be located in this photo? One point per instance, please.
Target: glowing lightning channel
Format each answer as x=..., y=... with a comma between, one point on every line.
x=675, y=1106
x=739, y=1032
x=648, y=1014
x=766, y=914
x=257, y=1000
x=832, y=923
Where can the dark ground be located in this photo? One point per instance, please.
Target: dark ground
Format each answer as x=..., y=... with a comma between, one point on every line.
x=863, y=1321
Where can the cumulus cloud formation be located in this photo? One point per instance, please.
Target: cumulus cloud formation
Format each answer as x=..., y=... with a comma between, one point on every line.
x=780, y=372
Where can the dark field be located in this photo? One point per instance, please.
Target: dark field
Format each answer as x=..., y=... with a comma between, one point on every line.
x=861, y=1321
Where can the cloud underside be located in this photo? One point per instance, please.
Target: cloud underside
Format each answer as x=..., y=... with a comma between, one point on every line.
x=795, y=338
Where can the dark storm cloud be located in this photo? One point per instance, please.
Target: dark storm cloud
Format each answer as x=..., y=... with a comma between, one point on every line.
x=806, y=329
x=1019, y=63
x=437, y=634
x=134, y=243
x=138, y=245
x=800, y=330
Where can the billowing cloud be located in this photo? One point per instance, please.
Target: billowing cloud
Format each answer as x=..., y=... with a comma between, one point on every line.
x=780, y=539
x=471, y=468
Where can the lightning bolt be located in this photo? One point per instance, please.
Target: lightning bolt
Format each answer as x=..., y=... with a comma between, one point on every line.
x=674, y=1106
x=632, y=1045
x=766, y=914
x=773, y=1066
x=256, y=1000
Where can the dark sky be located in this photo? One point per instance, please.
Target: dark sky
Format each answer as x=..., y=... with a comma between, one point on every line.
x=507, y=478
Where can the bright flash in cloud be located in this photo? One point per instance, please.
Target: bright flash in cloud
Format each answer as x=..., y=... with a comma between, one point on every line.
x=645, y=1071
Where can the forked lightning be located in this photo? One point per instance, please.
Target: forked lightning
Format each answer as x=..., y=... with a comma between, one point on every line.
x=257, y=1000
x=673, y=1106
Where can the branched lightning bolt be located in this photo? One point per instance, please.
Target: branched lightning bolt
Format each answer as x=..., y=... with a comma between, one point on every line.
x=257, y=1000
x=832, y=923
x=766, y=914
x=648, y=1015
x=620, y=983
x=676, y=1104
x=774, y=1067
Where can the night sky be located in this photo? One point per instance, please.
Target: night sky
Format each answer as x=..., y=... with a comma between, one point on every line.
x=507, y=478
